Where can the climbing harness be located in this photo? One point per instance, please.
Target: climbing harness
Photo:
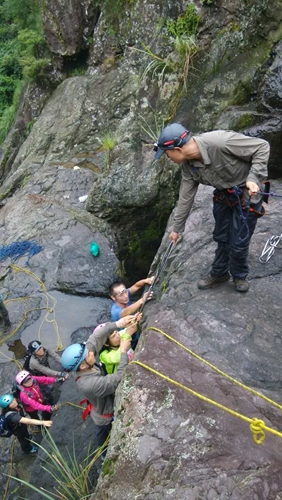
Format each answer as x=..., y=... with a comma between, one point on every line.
x=269, y=248
x=243, y=218
x=234, y=197
x=89, y=407
x=160, y=268
x=257, y=426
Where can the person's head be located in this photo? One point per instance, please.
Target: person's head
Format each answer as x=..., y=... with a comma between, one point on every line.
x=119, y=293
x=113, y=340
x=36, y=348
x=8, y=401
x=171, y=142
x=76, y=357
x=24, y=378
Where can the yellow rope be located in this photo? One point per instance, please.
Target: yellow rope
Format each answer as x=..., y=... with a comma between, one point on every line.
x=71, y=404
x=49, y=308
x=243, y=386
x=19, y=365
x=257, y=426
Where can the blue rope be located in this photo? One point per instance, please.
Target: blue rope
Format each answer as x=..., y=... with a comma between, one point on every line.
x=243, y=218
x=271, y=193
x=19, y=249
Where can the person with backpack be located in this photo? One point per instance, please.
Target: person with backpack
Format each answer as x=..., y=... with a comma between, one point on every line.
x=13, y=422
x=98, y=388
x=36, y=360
x=29, y=392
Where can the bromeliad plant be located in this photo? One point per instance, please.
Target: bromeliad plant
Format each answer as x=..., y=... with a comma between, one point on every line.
x=181, y=37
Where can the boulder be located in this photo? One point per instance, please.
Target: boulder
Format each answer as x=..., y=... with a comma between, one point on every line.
x=169, y=443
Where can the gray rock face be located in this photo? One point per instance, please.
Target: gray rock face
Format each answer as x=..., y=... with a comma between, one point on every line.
x=68, y=27
x=166, y=442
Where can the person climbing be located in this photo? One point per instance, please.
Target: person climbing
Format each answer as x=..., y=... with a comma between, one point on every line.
x=31, y=396
x=123, y=304
x=236, y=166
x=98, y=388
x=17, y=423
x=122, y=298
x=110, y=354
x=5, y=323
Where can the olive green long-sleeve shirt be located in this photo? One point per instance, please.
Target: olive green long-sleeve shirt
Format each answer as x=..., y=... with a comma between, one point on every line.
x=229, y=159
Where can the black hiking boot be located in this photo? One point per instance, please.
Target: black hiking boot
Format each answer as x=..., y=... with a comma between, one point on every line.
x=208, y=281
x=242, y=285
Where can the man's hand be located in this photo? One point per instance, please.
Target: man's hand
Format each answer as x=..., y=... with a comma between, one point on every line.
x=149, y=281
x=174, y=237
x=252, y=187
x=124, y=345
x=138, y=317
x=147, y=296
x=132, y=329
x=123, y=322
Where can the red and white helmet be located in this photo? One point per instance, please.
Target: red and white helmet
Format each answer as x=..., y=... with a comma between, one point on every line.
x=98, y=327
x=21, y=376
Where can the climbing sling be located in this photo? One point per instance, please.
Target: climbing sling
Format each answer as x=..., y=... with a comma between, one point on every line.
x=160, y=268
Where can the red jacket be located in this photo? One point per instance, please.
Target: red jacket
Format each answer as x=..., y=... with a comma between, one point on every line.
x=32, y=397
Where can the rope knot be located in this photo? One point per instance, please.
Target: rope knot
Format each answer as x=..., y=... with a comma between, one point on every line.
x=257, y=427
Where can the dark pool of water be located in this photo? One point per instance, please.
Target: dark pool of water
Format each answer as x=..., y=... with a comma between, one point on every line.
x=71, y=312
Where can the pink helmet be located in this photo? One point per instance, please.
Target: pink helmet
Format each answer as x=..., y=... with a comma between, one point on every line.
x=21, y=376
x=98, y=327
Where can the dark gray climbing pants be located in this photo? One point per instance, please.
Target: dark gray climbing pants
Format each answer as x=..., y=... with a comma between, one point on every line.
x=232, y=234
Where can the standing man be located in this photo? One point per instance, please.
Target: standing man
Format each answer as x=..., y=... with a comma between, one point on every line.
x=98, y=388
x=235, y=165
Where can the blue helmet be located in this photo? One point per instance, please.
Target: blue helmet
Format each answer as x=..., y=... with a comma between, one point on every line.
x=6, y=400
x=73, y=356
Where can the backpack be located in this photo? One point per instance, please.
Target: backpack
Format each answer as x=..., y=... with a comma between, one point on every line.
x=26, y=360
x=16, y=389
x=5, y=431
x=26, y=363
